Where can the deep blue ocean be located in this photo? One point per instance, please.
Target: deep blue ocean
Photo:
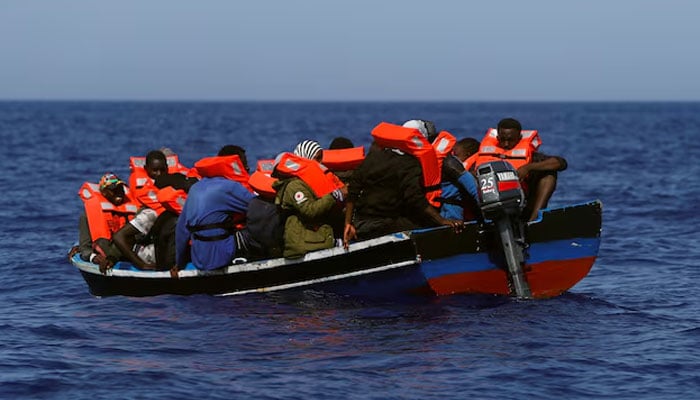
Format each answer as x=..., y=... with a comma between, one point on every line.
x=629, y=330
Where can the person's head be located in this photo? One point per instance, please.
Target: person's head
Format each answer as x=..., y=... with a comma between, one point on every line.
x=156, y=164
x=112, y=188
x=465, y=148
x=426, y=128
x=509, y=133
x=309, y=149
x=233, y=150
x=341, y=143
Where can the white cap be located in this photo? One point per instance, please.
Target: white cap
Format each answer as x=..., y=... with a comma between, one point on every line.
x=417, y=124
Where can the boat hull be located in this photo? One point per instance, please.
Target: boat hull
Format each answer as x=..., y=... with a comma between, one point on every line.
x=563, y=245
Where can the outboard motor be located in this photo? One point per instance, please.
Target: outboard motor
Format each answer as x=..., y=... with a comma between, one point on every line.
x=502, y=201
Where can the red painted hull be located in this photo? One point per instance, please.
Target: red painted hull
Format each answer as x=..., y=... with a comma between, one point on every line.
x=546, y=279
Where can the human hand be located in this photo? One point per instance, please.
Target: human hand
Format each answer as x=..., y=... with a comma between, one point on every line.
x=104, y=264
x=523, y=171
x=174, y=270
x=73, y=251
x=98, y=259
x=457, y=225
x=348, y=234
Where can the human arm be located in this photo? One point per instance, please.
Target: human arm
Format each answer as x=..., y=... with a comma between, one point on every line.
x=453, y=171
x=124, y=239
x=182, y=239
x=457, y=225
x=413, y=193
x=299, y=197
x=349, y=232
x=544, y=163
x=84, y=239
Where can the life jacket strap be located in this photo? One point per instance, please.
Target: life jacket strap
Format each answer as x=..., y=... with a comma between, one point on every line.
x=214, y=238
x=226, y=225
x=455, y=202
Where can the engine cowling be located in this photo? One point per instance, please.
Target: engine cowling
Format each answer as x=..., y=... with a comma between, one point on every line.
x=500, y=191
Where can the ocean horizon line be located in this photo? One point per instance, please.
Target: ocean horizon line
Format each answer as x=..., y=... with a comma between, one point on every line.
x=320, y=101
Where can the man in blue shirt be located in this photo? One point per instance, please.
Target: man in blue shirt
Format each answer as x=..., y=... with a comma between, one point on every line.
x=458, y=187
x=459, y=191
x=208, y=220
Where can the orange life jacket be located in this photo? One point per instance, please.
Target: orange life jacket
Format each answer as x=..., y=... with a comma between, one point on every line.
x=104, y=218
x=261, y=181
x=443, y=145
x=172, y=199
x=266, y=166
x=147, y=196
x=139, y=178
x=518, y=156
x=411, y=141
x=321, y=180
x=262, y=184
x=470, y=161
x=343, y=159
x=229, y=167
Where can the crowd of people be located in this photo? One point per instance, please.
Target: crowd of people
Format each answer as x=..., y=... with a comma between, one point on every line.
x=216, y=214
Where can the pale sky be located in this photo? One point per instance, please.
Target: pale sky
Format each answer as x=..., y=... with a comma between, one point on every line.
x=406, y=50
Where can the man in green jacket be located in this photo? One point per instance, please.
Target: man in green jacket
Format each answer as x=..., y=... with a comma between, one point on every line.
x=307, y=227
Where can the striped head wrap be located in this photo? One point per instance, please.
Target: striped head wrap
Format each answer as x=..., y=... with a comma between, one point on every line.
x=308, y=149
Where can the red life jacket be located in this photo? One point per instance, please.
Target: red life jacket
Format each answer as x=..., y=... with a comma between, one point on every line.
x=319, y=178
x=229, y=167
x=343, y=159
x=261, y=181
x=518, y=156
x=411, y=141
x=103, y=217
x=139, y=178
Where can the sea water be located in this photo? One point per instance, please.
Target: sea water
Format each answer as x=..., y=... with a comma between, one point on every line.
x=629, y=330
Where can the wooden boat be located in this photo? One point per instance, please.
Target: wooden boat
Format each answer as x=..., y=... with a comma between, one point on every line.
x=558, y=250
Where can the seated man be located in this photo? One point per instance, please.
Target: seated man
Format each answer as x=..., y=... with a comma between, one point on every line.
x=215, y=208
x=459, y=191
x=459, y=195
x=308, y=194
x=387, y=192
x=458, y=198
x=340, y=142
x=107, y=209
x=466, y=151
x=342, y=158
x=537, y=170
x=136, y=239
x=264, y=221
x=265, y=227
